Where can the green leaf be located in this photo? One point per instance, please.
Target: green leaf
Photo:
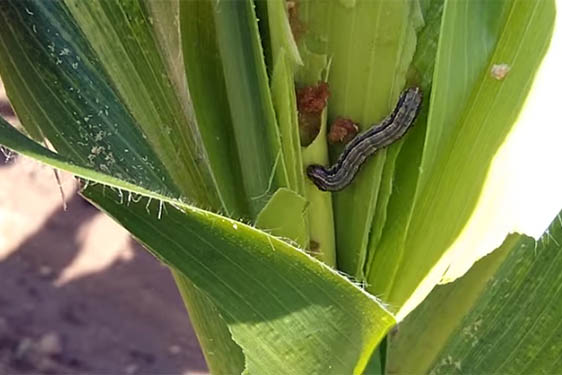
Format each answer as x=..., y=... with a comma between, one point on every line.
x=455, y=217
x=502, y=317
x=117, y=109
x=285, y=216
x=320, y=209
x=281, y=35
x=207, y=87
x=319, y=220
x=284, y=102
x=145, y=83
x=94, y=111
x=13, y=139
x=401, y=173
x=263, y=287
x=234, y=25
x=271, y=294
x=222, y=354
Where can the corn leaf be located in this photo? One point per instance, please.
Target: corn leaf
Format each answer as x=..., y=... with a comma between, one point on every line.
x=212, y=332
x=284, y=101
x=404, y=170
x=145, y=83
x=285, y=309
x=204, y=70
x=278, y=217
x=263, y=287
x=57, y=86
x=502, y=317
x=222, y=354
x=229, y=32
x=130, y=119
x=455, y=216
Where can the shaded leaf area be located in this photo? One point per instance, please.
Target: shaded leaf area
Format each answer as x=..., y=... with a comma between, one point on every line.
x=367, y=73
x=236, y=75
x=438, y=226
x=61, y=94
x=285, y=309
x=17, y=141
x=502, y=317
x=124, y=32
x=207, y=87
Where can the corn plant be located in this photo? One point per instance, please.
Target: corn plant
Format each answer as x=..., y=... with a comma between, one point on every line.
x=193, y=123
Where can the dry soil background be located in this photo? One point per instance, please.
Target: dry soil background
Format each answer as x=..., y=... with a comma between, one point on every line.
x=77, y=295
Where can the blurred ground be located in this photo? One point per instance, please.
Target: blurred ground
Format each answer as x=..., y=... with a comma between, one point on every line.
x=77, y=295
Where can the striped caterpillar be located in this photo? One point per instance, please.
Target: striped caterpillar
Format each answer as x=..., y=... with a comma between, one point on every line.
x=356, y=152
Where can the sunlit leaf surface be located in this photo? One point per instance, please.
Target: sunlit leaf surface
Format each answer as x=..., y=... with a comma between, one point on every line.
x=502, y=317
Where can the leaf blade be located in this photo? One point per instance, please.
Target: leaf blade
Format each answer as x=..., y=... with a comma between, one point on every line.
x=462, y=207
x=263, y=286
x=501, y=317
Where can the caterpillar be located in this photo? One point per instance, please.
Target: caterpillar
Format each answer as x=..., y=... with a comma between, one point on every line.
x=356, y=152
